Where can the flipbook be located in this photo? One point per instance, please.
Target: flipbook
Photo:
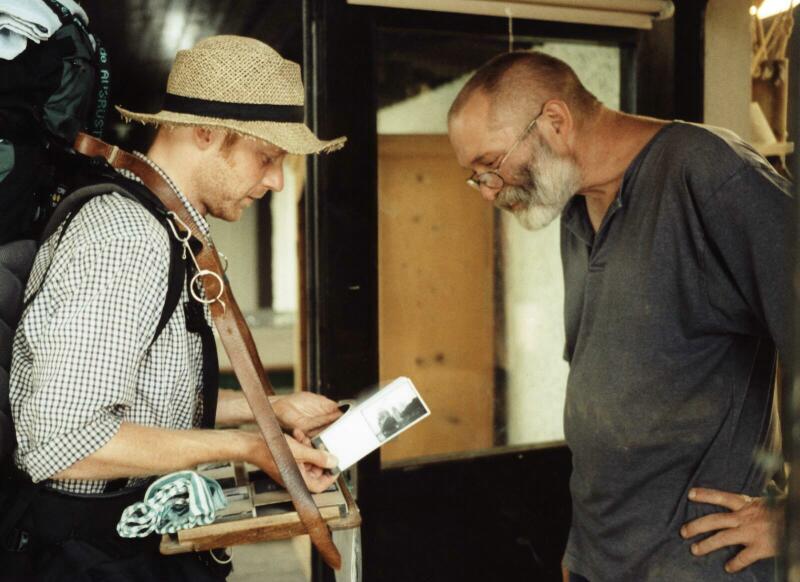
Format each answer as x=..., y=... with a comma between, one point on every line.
x=371, y=422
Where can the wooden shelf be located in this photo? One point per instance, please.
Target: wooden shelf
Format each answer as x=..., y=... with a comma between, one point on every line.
x=774, y=149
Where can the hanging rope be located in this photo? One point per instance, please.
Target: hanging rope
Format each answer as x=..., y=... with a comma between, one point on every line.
x=510, y=29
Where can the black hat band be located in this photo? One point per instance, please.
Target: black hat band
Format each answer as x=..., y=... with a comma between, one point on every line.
x=240, y=111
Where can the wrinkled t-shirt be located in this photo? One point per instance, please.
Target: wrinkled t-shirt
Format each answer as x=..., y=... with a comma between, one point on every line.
x=673, y=309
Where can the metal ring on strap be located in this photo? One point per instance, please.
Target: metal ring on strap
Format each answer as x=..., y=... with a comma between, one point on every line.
x=200, y=298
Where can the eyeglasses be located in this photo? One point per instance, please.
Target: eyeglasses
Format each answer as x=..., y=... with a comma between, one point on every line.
x=492, y=178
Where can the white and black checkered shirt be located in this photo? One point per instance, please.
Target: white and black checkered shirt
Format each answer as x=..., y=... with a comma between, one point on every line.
x=82, y=358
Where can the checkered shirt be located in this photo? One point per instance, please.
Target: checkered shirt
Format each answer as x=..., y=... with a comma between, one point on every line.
x=82, y=359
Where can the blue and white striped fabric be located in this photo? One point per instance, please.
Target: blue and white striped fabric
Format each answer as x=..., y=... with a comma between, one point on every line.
x=176, y=501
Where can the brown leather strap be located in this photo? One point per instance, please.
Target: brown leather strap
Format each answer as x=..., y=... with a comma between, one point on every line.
x=238, y=343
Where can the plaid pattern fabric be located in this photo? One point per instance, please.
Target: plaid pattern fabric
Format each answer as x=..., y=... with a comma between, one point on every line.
x=82, y=361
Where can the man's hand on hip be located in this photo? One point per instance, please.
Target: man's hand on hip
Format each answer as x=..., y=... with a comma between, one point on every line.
x=750, y=522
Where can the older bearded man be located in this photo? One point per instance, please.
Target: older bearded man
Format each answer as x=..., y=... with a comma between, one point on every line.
x=675, y=248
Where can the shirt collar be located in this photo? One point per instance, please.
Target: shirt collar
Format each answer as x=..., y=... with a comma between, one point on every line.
x=575, y=219
x=196, y=216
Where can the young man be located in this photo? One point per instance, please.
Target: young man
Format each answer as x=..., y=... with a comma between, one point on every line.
x=675, y=247
x=94, y=397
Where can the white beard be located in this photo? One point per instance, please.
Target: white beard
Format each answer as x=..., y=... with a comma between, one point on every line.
x=550, y=182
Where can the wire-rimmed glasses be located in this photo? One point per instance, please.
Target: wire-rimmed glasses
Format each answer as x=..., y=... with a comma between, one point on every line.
x=491, y=178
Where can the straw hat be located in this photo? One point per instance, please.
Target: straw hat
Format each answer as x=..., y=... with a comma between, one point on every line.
x=242, y=85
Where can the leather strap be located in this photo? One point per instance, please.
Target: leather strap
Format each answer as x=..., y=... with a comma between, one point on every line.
x=238, y=343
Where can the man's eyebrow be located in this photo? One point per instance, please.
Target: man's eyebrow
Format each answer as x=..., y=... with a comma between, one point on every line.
x=482, y=159
x=272, y=151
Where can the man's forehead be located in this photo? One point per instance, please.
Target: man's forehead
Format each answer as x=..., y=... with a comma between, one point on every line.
x=478, y=106
x=267, y=147
x=476, y=130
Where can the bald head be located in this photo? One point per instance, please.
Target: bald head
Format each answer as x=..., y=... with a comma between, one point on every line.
x=521, y=82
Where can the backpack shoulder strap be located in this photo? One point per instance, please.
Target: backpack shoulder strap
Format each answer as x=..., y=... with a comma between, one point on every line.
x=72, y=204
x=177, y=274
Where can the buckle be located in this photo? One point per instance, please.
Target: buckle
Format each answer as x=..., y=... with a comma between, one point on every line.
x=17, y=540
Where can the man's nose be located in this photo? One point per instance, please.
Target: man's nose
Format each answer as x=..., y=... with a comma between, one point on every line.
x=273, y=178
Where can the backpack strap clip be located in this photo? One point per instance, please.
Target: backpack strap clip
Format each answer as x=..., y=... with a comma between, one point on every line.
x=197, y=278
x=17, y=541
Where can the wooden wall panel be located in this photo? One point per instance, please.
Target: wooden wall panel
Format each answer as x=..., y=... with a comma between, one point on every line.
x=436, y=311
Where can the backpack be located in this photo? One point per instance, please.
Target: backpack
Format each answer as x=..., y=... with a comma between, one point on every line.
x=48, y=93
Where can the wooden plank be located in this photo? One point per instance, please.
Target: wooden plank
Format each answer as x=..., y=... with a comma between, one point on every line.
x=436, y=294
x=270, y=528
x=774, y=149
x=245, y=531
x=577, y=15
x=266, y=528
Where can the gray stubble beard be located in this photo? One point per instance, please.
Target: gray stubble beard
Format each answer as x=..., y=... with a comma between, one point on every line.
x=550, y=182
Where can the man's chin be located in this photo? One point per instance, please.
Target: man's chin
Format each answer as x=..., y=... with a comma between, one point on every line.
x=536, y=217
x=228, y=214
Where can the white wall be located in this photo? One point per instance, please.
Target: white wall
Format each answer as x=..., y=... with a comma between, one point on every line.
x=284, y=244
x=728, y=47
x=239, y=242
x=425, y=113
x=534, y=285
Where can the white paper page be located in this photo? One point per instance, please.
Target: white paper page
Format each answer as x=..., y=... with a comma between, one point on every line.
x=377, y=420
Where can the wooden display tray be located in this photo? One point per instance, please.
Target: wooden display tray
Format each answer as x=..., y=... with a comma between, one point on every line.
x=774, y=149
x=259, y=510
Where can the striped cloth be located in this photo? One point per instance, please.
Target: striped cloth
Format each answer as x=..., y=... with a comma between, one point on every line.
x=176, y=501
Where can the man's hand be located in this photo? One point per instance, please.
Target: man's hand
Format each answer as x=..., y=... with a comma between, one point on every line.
x=312, y=468
x=306, y=411
x=749, y=523
x=311, y=462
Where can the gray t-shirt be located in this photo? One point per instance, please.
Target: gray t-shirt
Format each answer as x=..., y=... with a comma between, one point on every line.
x=673, y=311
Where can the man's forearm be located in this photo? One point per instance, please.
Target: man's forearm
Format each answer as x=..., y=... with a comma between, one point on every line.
x=139, y=451
x=233, y=409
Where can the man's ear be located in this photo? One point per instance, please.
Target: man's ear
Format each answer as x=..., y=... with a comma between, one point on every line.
x=205, y=138
x=558, y=121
